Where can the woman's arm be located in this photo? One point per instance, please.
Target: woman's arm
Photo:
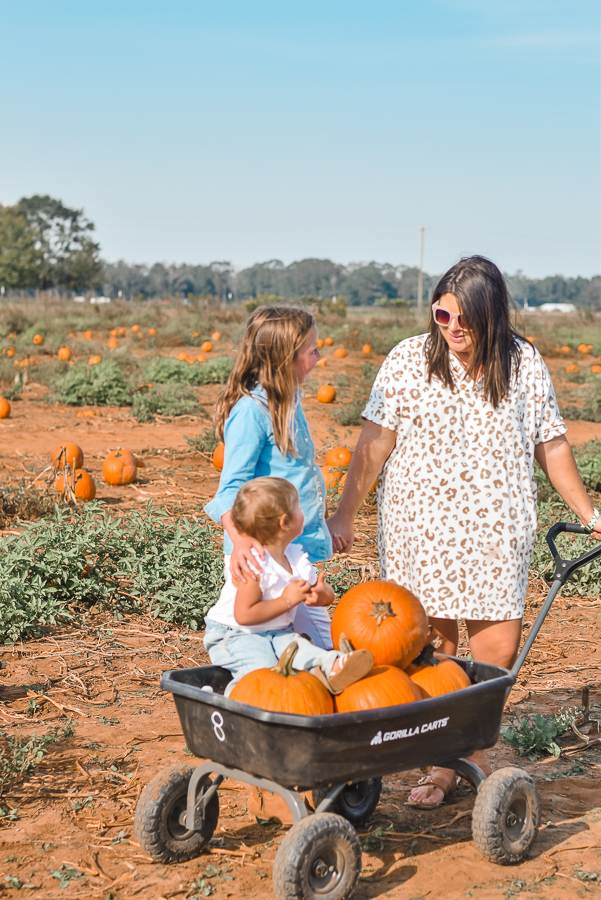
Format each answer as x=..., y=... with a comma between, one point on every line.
x=251, y=609
x=557, y=461
x=375, y=445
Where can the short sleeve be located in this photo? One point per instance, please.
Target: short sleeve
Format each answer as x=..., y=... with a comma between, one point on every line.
x=387, y=396
x=300, y=562
x=548, y=422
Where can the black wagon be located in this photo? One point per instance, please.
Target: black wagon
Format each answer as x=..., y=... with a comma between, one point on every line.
x=342, y=759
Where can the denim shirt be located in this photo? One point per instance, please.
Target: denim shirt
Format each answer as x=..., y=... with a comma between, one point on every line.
x=251, y=451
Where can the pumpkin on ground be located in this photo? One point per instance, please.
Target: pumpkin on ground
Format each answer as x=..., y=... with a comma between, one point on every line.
x=384, y=686
x=338, y=456
x=114, y=332
x=320, y=342
x=584, y=348
x=366, y=348
x=218, y=456
x=8, y=351
x=206, y=347
x=119, y=467
x=572, y=369
x=329, y=341
x=73, y=455
x=284, y=689
x=88, y=335
x=340, y=353
x=331, y=476
x=94, y=360
x=326, y=393
x=85, y=489
x=435, y=675
x=113, y=343
x=38, y=339
x=4, y=408
x=135, y=328
x=565, y=349
x=384, y=618
x=216, y=336
x=321, y=362
x=152, y=332
x=596, y=369
x=64, y=353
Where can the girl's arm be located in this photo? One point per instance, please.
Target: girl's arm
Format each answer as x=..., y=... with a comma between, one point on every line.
x=251, y=609
x=375, y=445
x=557, y=461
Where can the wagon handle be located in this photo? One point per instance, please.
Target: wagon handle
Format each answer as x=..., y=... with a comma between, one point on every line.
x=563, y=569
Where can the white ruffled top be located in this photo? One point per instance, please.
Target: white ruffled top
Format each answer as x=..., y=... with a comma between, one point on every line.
x=273, y=579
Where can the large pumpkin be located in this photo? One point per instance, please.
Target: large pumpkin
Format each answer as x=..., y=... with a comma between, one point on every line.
x=64, y=353
x=338, y=456
x=284, y=689
x=384, y=686
x=384, y=618
x=4, y=408
x=73, y=455
x=437, y=675
x=119, y=467
x=326, y=393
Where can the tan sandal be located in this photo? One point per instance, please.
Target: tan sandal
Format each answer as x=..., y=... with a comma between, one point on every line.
x=437, y=783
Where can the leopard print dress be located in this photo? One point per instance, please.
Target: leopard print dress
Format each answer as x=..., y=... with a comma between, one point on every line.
x=457, y=496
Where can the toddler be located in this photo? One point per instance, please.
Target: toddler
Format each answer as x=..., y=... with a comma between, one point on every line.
x=251, y=624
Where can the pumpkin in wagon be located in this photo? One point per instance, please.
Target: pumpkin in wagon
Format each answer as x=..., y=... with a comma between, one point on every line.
x=434, y=675
x=384, y=686
x=284, y=689
x=384, y=618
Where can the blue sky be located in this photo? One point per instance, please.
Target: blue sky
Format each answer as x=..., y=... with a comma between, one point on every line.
x=200, y=131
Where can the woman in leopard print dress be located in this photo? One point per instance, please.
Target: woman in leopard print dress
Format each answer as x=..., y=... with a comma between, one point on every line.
x=454, y=423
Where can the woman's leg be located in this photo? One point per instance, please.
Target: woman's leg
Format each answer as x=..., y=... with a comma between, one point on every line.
x=496, y=643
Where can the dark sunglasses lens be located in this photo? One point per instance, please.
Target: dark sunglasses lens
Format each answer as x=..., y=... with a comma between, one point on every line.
x=442, y=317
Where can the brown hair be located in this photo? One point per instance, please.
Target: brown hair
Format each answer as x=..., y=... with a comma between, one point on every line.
x=484, y=301
x=273, y=337
x=260, y=504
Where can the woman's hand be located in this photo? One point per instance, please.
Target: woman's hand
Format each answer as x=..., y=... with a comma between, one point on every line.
x=243, y=563
x=343, y=534
x=556, y=459
x=321, y=594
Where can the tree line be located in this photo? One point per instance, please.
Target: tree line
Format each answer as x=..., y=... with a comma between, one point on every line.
x=45, y=245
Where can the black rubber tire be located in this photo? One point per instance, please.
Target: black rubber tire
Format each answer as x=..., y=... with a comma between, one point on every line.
x=506, y=816
x=157, y=826
x=319, y=859
x=356, y=802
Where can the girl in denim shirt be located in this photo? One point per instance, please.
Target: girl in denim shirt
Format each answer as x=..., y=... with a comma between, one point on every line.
x=260, y=419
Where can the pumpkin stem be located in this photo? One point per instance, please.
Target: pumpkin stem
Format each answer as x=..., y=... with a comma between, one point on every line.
x=284, y=666
x=426, y=657
x=382, y=610
x=345, y=644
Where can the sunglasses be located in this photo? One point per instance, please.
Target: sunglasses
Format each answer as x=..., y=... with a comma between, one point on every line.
x=443, y=317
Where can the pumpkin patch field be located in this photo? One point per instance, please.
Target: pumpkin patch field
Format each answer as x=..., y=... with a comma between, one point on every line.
x=99, y=596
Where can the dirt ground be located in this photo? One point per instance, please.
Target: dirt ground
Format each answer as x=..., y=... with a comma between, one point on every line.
x=73, y=832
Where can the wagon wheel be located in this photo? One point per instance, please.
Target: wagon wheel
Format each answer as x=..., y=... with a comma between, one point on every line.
x=356, y=801
x=319, y=859
x=159, y=821
x=506, y=816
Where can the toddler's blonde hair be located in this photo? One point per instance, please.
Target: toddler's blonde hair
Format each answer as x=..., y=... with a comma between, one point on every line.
x=259, y=506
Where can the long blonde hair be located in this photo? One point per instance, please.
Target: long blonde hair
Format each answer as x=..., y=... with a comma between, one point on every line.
x=273, y=337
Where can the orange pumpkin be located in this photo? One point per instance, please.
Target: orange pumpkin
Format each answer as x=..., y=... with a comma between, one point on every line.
x=326, y=393
x=113, y=343
x=436, y=675
x=366, y=348
x=338, y=456
x=320, y=342
x=584, y=348
x=8, y=351
x=384, y=618
x=206, y=347
x=94, y=360
x=330, y=476
x=88, y=334
x=321, y=362
x=384, y=686
x=572, y=369
x=218, y=456
x=596, y=369
x=531, y=339
x=152, y=332
x=38, y=339
x=119, y=467
x=565, y=349
x=135, y=328
x=284, y=689
x=195, y=334
x=183, y=357
x=64, y=353
x=4, y=408
x=121, y=332
x=216, y=336
x=329, y=341
x=73, y=455
x=340, y=353
x=85, y=489
x=114, y=332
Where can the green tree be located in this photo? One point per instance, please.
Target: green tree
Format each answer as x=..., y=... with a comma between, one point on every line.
x=68, y=255
x=19, y=257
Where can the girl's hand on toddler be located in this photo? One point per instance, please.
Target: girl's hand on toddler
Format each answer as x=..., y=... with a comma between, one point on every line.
x=321, y=593
x=243, y=563
x=296, y=592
